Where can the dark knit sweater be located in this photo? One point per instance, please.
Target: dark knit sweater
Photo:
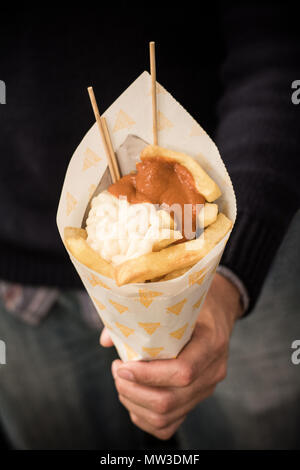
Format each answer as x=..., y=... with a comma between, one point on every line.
x=230, y=66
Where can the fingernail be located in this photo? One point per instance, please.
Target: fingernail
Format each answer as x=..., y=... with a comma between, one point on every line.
x=125, y=374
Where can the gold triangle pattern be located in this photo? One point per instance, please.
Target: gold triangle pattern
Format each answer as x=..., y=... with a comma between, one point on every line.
x=107, y=325
x=163, y=122
x=178, y=334
x=96, y=281
x=150, y=328
x=131, y=354
x=71, y=203
x=92, y=190
x=119, y=307
x=197, y=277
x=153, y=352
x=124, y=329
x=146, y=297
x=198, y=303
x=90, y=159
x=123, y=121
x=176, y=308
x=98, y=303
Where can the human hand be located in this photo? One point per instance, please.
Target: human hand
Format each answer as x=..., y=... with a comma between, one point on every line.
x=160, y=393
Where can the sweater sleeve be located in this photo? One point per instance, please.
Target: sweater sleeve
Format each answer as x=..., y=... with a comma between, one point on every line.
x=258, y=133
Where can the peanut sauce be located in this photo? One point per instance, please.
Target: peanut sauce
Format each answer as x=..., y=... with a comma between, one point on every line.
x=159, y=181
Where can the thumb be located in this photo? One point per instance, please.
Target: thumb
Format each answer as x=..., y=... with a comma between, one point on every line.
x=105, y=339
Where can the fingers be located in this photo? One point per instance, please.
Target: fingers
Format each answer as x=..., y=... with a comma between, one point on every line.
x=169, y=400
x=162, y=433
x=179, y=372
x=160, y=410
x=156, y=420
x=157, y=399
x=161, y=420
x=105, y=339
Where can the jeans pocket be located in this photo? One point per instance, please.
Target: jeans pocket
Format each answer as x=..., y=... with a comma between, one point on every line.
x=29, y=304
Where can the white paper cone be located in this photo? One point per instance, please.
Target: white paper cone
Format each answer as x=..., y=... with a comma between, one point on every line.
x=146, y=320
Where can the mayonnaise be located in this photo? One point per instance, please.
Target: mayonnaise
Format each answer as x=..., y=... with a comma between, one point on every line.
x=119, y=230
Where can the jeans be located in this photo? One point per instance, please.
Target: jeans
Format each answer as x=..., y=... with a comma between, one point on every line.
x=57, y=392
x=56, y=389
x=257, y=406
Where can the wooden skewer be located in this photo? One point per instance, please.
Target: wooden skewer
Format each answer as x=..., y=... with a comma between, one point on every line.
x=111, y=150
x=101, y=130
x=153, y=90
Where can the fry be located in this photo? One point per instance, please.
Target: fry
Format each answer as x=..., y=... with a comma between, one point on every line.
x=210, y=214
x=166, y=238
x=176, y=273
x=155, y=264
x=75, y=240
x=204, y=184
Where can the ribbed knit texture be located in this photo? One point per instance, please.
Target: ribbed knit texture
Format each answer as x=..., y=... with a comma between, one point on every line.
x=37, y=269
x=250, y=252
x=231, y=67
x=258, y=134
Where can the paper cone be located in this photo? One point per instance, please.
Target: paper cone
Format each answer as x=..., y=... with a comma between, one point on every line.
x=146, y=320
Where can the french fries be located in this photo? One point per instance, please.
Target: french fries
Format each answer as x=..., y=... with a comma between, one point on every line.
x=75, y=240
x=210, y=214
x=166, y=237
x=167, y=260
x=176, y=273
x=163, y=265
x=160, y=263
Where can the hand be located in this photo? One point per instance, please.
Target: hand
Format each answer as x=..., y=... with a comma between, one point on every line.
x=159, y=394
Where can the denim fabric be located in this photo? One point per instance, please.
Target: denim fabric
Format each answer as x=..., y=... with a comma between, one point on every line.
x=32, y=304
x=56, y=390
x=258, y=404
